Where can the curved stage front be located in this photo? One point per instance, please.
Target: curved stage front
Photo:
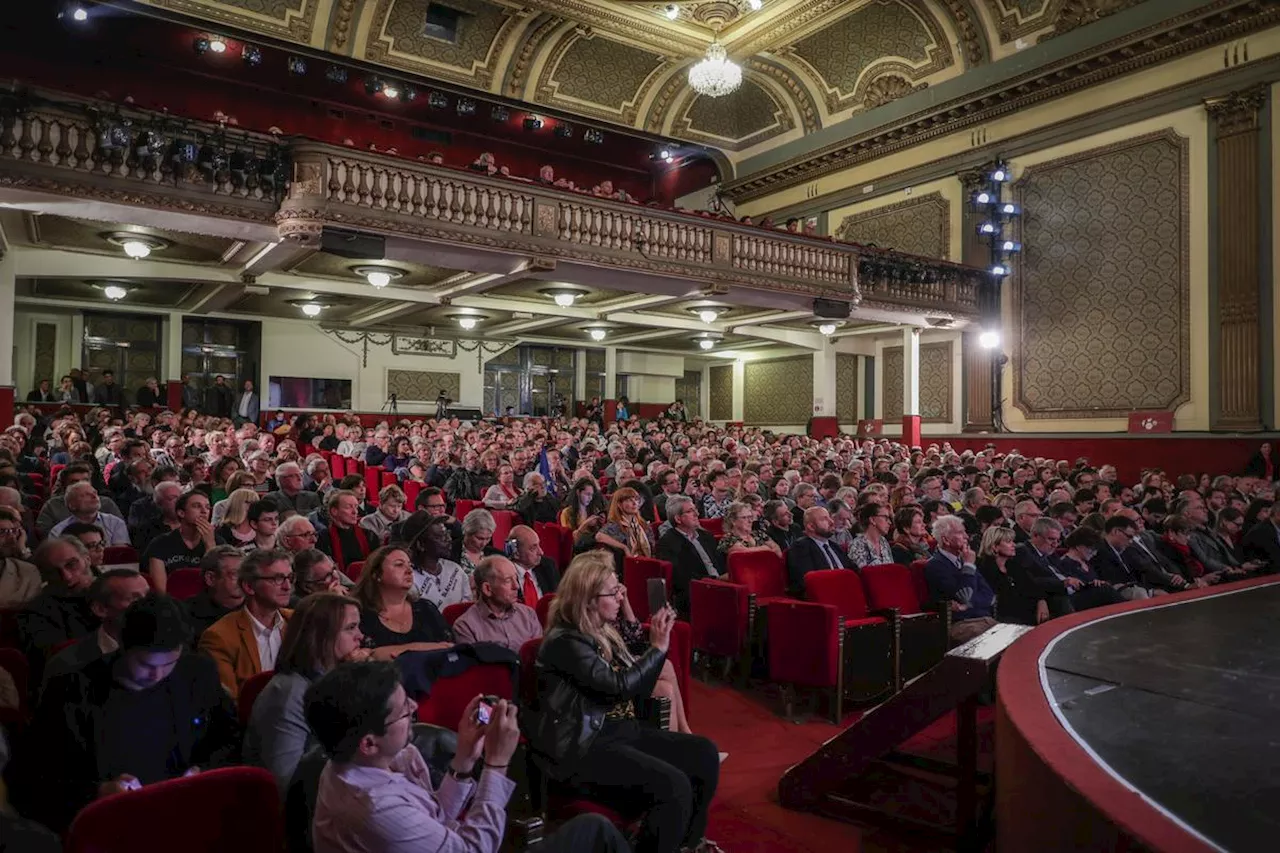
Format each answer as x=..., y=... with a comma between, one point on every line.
x=1151, y=725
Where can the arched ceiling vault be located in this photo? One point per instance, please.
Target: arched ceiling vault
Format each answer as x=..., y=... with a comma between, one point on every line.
x=807, y=63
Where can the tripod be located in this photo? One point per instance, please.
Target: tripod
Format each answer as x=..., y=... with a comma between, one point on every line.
x=391, y=406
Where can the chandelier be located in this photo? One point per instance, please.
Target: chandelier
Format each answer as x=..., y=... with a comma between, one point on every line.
x=716, y=75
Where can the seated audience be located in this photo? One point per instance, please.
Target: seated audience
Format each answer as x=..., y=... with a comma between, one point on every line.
x=436, y=578
x=1111, y=563
x=477, y=539
x=324, y=631
x=140, y=715
x=1215, y=547
x=497, y=616
x=626, y=531
x=246, y=642
x=149, y=519
x=391, y=501
x=376, y=794
x=537, y=575
x=19, y=579
x=84, y=506
x=235, y=530
x=692, y=551
x=872, y=547
x=1037, y=578
x=314, y=571
x=221, y=593
x=911, y=539
x=184, y=547
x=535, y=503
x=1075, y=562
x=740, y=535
x=289, y=495
x=780, y=523
x=585, y=731
x=109, y=595
x=343, y=538
x=393, y=618
x=61, y=611
x=295, y=534
x=953, y=577
x=55, y=509
x=814, y=551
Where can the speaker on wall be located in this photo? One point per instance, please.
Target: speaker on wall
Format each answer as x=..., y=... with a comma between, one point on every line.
x=356, y=245
x=832, y=309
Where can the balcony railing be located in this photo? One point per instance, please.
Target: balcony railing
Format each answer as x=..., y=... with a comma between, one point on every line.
x=132, y=157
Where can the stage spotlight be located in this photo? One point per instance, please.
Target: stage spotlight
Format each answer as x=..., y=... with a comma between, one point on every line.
x=982, y=198
x=136, y=249
x=252, y=55
x=593, y=135
x=999, y=269
x=1010, y=209
x=597, y=334
x=79, y=14
x=437, y=100
x=297, y=66
x=467, y=323
x=390, y=90
x=500, y=113
x=665, y=154
x=114, y=292
x=335, y=74
x=466, y=107
x=987, y=228
x=217, y=44
x=1010, y=246
x=564, y=131
x=532, y=123
x=989, y=340
x=999, y=173
x=671, y=12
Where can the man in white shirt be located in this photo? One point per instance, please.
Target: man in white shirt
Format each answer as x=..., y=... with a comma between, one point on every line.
x=86, y=506
x=246, y=642
x=247, y=404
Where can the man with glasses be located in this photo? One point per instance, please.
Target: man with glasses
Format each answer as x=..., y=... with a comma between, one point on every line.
x=19, y=580
x=93, y=540
x=220, y=571
x=690, y=549
x=1024, y=515
x=290, y=496
x=1109, y=562
x=110, y=595
x=376, y=793
x=246, y=642
x=295, y=534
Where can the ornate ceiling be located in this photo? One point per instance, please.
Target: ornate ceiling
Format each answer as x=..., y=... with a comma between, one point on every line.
x=807, y=63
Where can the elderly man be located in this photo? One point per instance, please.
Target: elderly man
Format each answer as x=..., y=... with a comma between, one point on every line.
x=290, y=496
x=55, y=509
x=295, y=534
x=537, y=574
x=497, y=616
x=247, y=641
x=953, y=576
x=1025, y=514
x=156, y=517
x=344, y=539
x=183, y=547
x=61, y=611
x=805, y=496
x=690, y=549
x=19, y=579
x=220, y=571
x=535, y=503
x=86, y=507
x=780, y=524
x=110, y=595
x=814, y=551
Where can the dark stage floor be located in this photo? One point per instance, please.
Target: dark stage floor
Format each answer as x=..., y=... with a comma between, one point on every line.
x=1182, y=703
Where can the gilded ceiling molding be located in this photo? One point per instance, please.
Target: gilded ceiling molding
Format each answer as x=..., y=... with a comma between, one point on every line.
x=292, y=19
x=888, y=88
x=810, y=12
x=1218, y=21
x=538, y=32
x=806, y=106
x=649, y=30
x=548, y=91
x=480, y=73
x=1073, y=14
x=1013, y=22
x=783, y=118
x=340, y=28
x=968, y=24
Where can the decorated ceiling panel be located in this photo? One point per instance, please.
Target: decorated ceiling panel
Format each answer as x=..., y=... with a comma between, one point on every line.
x=805, y=62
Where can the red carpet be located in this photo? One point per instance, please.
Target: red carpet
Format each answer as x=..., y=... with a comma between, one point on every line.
x=746, y=816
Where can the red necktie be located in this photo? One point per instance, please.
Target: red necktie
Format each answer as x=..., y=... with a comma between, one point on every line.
x=530, y=590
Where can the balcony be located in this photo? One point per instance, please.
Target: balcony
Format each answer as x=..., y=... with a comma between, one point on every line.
x=64, y=148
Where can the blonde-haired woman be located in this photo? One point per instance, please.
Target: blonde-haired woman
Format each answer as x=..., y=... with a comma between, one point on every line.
x=626, y=530
x=585, y=732
x=235, y=529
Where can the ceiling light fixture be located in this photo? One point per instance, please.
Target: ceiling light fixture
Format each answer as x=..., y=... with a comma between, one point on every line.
x=311, y=309
x=377, y=276
x=79, y=14
x=136, y=246
x=114, y=292
x=989, y=340
x=564, y=297
x=136, y=249
x=708, y=316
x=467, y=321
x=716, y=75
x=708, y=313
x=671, y=12
x=706, y=343
x=597, y=334
x=827, y=328
x=755, y=5
x=217, y=44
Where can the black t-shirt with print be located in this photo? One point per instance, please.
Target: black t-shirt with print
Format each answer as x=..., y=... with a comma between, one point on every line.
x=172, y=552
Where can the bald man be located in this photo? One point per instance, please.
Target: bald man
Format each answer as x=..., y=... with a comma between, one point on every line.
x=498, y=616
x=537, y=575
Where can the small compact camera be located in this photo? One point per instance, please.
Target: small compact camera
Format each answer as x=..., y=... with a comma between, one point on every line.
x=485, y=709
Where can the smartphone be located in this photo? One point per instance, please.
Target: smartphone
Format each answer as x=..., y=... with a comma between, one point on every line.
x=657, y=588
x=484, y=711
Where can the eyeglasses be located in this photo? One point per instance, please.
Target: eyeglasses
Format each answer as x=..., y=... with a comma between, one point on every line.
x=409, y=710
x=615, y=593
x=310, y=534
x=323, y=580
x=278, y=580
x=94, y=546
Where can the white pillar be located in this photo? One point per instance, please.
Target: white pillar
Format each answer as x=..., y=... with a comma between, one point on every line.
x=8, y=286
x=824, y=380
x=580, y=376
x=861, y=410
x=739, y=383
x=704, y=393
x=77, y=340
x=610, y=373
x=910, y=370
x=171, y=337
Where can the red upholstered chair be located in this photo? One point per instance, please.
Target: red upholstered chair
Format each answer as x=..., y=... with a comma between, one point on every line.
x=918, y=580
x=464, y=506
x=120, y=554
x=353, y=570
x=529, y=672
x=450, y=695
x=714, y=526
x=412, y=488
x=184, y=584
x=544, y=608
x=453, y=611
x=552, y=538
x=337, y=466
x=372, y=484
x=870, y=653
x=806, y=651
x=636, y=572
x=235, y=808
x=249, y=694
x=718, y=616
x=924, y=633
x=764, y=574
x=503, y=521
x=54, y=471
x=14, y=662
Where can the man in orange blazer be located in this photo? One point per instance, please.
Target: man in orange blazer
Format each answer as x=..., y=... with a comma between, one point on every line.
x=245, y=642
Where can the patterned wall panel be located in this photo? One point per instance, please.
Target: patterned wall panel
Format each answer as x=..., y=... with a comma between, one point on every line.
x=574, y=75
x=921, y=226
x=398, y=38
x=936, y=392
x=689, y=389
x=744, y=118
x=721, y=393
x=1101, y=297
x=886, y=33
x=422, y=386
x=848, y=387
x=277, y=17
x=778, y=392
x=46, y=354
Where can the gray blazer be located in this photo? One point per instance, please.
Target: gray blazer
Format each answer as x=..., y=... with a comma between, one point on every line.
x=278, y=734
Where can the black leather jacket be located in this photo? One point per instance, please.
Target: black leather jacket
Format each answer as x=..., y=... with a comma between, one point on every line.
x=576, y=686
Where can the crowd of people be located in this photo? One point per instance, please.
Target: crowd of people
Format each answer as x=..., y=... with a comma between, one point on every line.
x=341, y=597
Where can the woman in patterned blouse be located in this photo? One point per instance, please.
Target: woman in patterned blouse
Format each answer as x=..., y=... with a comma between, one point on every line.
x=626, y=530
x=872, y=547
x=740, y=535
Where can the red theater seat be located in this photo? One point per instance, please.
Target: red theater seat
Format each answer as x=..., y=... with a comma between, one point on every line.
x=503, y=521
x=463, y=507
x=353, y=570
x=116, y=554
x=805, y=650
x=714, y=526
x=718, y=617
x=636, y=572
x=450, y=695
x=925, y=634
x=249, y=694
x=544, y=608
x=869, y=651
x=184, y=584
x=453, y=611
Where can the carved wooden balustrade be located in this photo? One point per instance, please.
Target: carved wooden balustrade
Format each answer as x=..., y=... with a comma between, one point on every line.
x=67, y=148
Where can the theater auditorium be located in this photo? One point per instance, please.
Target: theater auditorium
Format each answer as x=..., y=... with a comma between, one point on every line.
x=712, y=426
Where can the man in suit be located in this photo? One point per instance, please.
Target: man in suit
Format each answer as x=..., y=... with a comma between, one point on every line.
x=1110, y=564
x=972, y=500
x=289, y=495
x=110, y=595
x=1262, y=543
x=690, y=550
x=140, y=715
x=245, y=642
x=218, y=400
x=781, y=525
x=952, y=576
x=247, y=404
x=1031, y=571
x=538, y=575
x=43, y=394
x=1144, y=557
x=813, y=551
x=1024, y=515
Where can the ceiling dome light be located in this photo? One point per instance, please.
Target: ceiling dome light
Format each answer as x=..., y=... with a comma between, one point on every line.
x=755, y=5
x=563, y=297
x=468, y=323
x=564, y=300
x=671, y=12
x=377, y=276
x=597, y=334
x=716, y=75
x=706, y=343
x=114, y=292
x=311, y=309
x=136, y=249
x=827, y=328
x=379, y=279
x=135, y=245
x=707, y=315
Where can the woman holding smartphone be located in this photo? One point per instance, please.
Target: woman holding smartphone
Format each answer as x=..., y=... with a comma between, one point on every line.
x=585, y=730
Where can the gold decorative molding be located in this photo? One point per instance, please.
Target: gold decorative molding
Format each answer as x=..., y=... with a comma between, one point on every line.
x=917, y=226
x=1238, y=111
x=291, y=19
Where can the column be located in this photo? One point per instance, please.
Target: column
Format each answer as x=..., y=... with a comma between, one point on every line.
x=911, y=386
x=862, y=411
x=579, y=378
x=824, y=380
x=171, y=362
x=8, y=284
x=610, y=384
x=977, y=360
x=739, y=385
x=1236, y=370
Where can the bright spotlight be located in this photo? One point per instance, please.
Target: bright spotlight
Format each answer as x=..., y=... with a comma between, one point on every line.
x=565, y=300
x=311, y=309
x=597, y=334
x=706, y=343
x=999, y=175
x=467, y=323
x=671, y=12
x=379, y=279
x=827, y=328
x=665, y=155
x=989, y=340
x=79, y=14
x=999, y=269
x=136, y=249
x=983, y=198
x=755, y=5
x=708, y=316
x=217, y=44
x=390, y=90
x=114, y=292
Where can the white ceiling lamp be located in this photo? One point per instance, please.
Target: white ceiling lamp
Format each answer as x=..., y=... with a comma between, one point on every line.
x=827, y=327
x=379, y=277
x=114, y=292
x=708, y=313
x=755, y=5
x=716, y=75
x=597, y=334
x=136, y=246
x=706, y=343
x=312, y=309
x=468, y=321
x=564, y=297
